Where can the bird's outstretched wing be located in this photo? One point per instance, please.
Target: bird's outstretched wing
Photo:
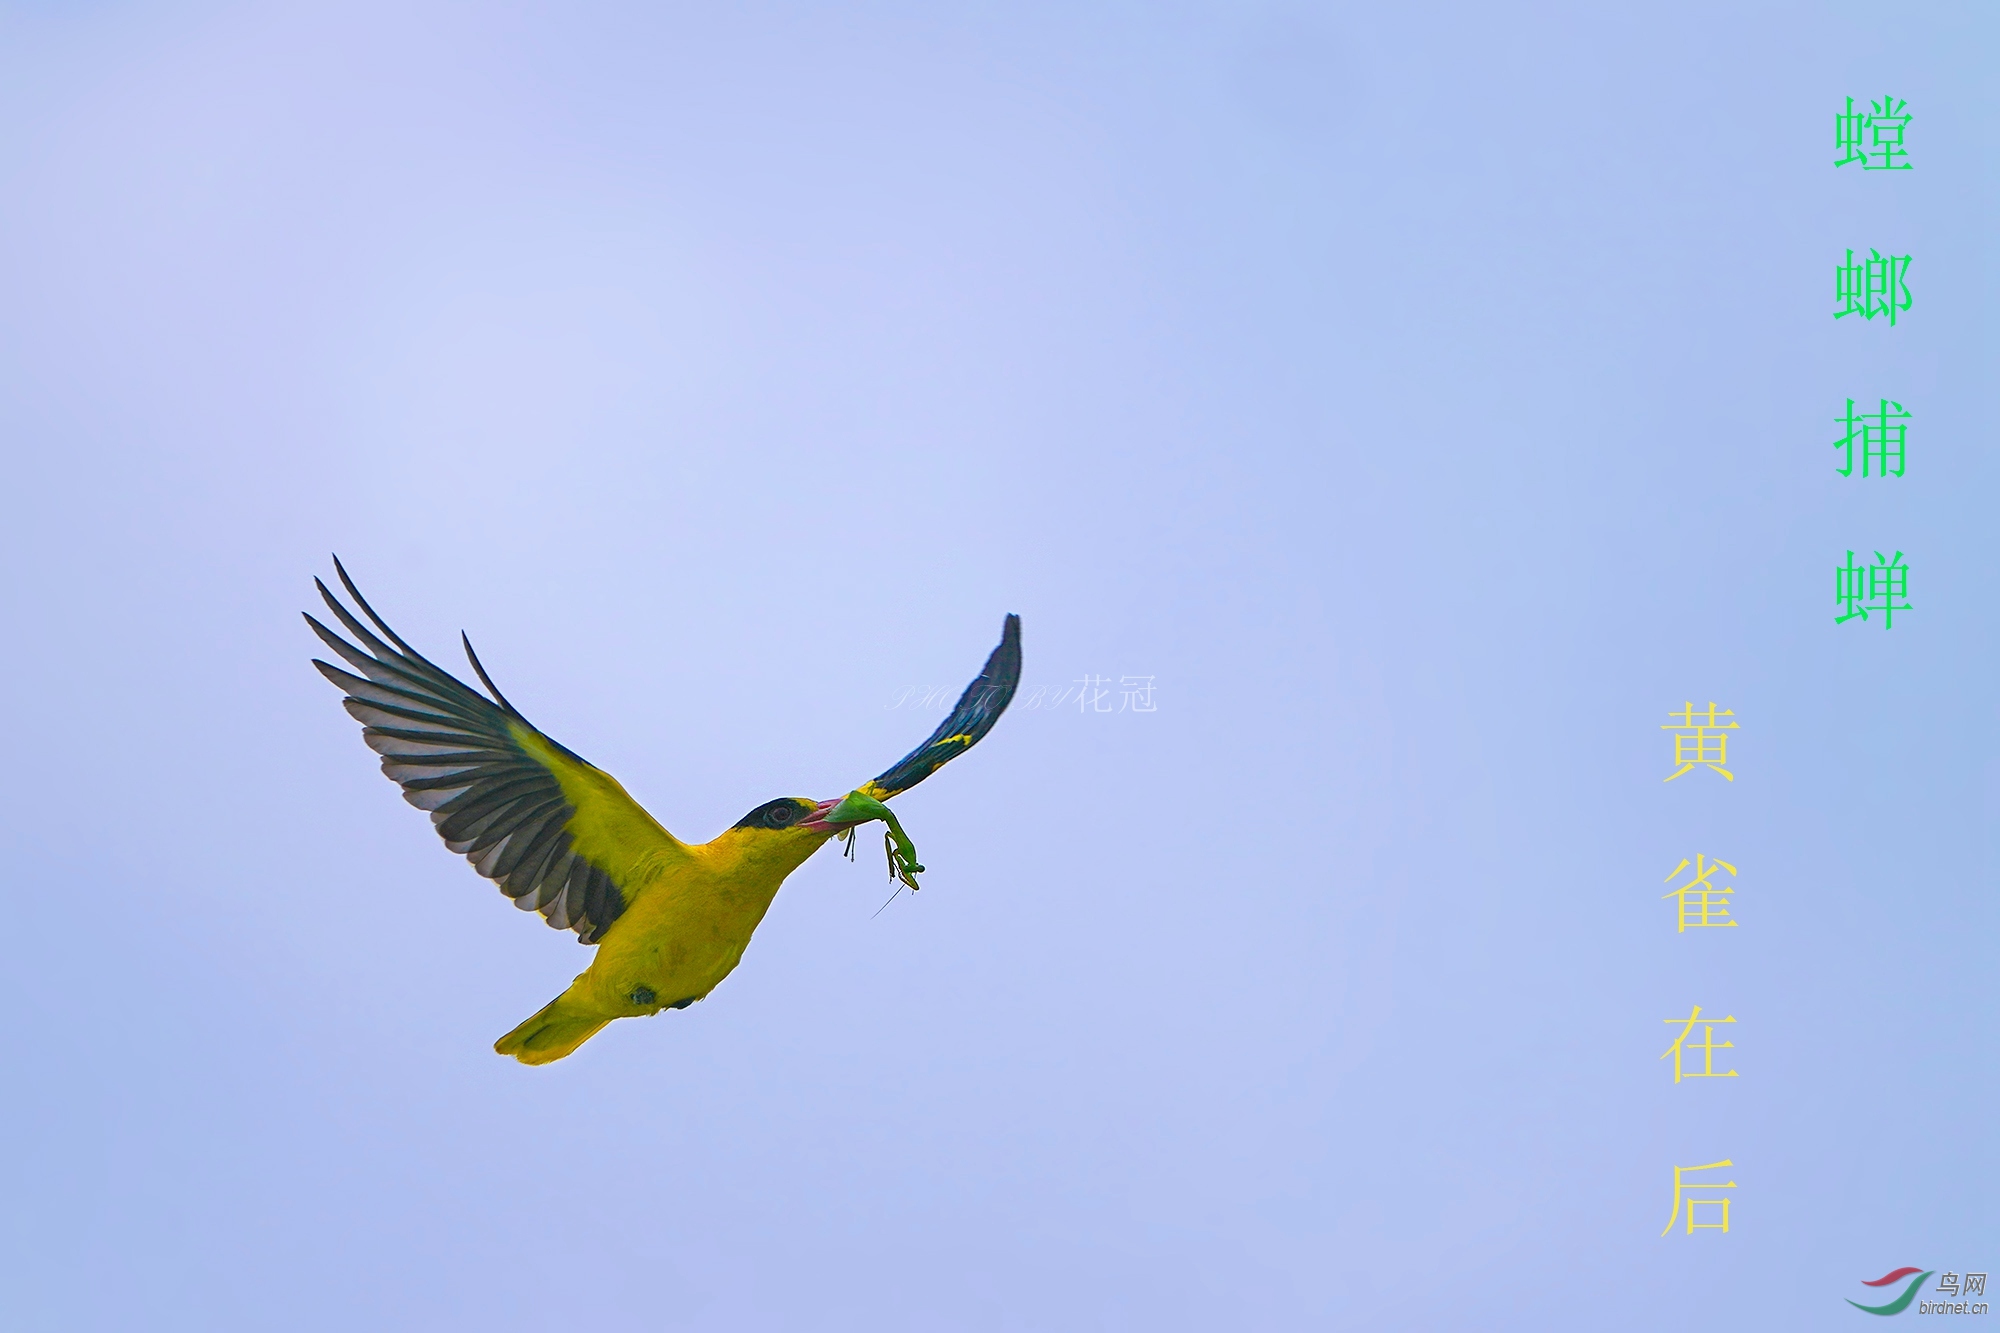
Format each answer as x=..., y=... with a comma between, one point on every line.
x=558, y=835
x=978, y=709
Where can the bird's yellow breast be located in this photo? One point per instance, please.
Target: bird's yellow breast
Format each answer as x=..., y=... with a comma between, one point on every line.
x=687, y=930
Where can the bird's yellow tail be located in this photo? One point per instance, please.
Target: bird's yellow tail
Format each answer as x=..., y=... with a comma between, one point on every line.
x=558, y=1028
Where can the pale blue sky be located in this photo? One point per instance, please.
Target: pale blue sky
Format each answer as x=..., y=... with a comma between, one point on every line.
x=1428, y=399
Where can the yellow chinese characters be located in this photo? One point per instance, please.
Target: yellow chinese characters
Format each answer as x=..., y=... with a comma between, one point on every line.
x=1702, y=903
x=1708, y=1046
x=1684, y=1190
x=1700, y=739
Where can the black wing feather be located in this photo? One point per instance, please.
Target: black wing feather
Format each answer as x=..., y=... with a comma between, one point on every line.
x=453, y=753
x=984, y=700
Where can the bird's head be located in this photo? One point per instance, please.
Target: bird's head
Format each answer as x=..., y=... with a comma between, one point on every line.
x=787, y=814
x=791, y=828
x=778, y=835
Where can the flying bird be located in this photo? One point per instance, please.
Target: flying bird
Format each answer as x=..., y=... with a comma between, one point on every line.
x=561, y=837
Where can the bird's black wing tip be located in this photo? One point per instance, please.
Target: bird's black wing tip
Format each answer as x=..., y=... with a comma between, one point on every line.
x=485, y=679
x=984, y=700
x=1010, y=637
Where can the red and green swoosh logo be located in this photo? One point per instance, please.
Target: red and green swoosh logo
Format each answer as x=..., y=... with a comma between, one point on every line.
x=1902, y=1302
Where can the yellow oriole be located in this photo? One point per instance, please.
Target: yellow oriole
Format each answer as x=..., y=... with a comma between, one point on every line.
x=560, y=836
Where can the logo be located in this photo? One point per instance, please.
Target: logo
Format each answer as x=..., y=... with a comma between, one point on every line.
x=1948, y=1285
x=1902, y=1302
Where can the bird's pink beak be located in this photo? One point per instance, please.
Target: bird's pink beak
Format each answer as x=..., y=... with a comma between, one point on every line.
x=818, y=821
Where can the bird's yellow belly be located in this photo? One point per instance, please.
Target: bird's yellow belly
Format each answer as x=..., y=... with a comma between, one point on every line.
x=676, y=944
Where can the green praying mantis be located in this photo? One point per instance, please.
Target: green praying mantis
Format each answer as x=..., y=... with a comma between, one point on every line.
x=902, y=853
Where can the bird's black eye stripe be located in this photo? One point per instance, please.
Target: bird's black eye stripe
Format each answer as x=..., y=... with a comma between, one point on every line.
x=778, y=814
